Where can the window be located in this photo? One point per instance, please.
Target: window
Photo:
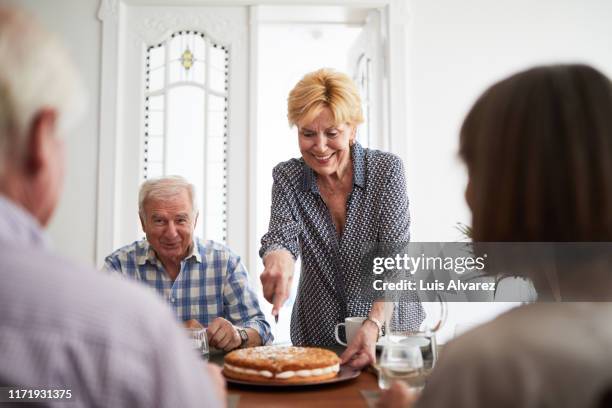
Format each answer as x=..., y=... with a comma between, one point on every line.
x=185, y=121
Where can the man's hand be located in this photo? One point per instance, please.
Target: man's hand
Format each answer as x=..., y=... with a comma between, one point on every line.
x=276, y=278
x=398, y=396
x=192, y=324
x=223, y=335
x=362, y=350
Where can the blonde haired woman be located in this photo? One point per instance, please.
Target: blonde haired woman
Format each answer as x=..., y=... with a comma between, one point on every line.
x=325, y=206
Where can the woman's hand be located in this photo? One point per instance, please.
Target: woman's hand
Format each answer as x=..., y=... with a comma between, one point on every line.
x=398, y=396
x=276, y=278
x=362, y=350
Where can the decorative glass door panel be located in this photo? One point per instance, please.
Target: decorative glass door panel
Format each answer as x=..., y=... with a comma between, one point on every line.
x=187, y=135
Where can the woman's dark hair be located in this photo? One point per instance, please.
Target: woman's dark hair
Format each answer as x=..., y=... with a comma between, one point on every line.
x=538, y=148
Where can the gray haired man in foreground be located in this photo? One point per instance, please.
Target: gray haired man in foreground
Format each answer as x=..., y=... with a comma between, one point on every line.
x=82, y=338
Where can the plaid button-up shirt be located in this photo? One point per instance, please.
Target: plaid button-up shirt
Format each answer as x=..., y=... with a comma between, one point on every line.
x=212, y=283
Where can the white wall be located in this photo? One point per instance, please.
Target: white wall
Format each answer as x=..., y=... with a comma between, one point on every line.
x=457, y=49
x=72, y=229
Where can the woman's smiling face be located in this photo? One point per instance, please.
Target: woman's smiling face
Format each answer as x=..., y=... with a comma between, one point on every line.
x=325, y=145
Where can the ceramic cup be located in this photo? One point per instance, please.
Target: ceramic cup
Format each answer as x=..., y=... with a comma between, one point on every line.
x=351, y=327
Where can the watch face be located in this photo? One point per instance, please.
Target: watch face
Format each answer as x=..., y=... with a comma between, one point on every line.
x=243, y=335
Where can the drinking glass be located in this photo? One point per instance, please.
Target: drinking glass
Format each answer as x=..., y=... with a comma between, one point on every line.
x=423, y=336
x=199, y=341
x=401, y=362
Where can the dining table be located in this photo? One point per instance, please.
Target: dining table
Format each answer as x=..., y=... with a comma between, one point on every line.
x=357, y=392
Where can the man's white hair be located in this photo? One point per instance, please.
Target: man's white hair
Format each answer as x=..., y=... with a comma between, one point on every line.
x=35, y=73
x=164, y=188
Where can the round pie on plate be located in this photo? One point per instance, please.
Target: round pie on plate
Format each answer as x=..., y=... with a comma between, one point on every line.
x=281, y=364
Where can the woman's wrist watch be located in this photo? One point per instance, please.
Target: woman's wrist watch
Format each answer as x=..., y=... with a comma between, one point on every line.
x=377, y=323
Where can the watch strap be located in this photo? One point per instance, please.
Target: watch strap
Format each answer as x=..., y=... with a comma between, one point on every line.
x=244, y=336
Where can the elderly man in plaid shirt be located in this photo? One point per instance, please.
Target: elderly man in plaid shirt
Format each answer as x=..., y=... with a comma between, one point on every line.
x=203, y=281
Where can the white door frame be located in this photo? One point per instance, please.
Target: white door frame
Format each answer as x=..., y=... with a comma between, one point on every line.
x=395, y=17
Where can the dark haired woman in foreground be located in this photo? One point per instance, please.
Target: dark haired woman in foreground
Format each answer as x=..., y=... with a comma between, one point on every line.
x=538, y=149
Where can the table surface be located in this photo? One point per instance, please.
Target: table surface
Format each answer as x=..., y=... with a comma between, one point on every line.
x=342, y=394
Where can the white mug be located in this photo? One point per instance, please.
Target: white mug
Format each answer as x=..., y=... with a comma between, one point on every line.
x=351, y=327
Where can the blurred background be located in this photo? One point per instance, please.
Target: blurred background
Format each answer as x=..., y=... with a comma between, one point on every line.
x=419, y=65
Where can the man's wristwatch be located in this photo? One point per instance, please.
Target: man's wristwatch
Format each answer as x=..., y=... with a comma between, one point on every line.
x=244, y=336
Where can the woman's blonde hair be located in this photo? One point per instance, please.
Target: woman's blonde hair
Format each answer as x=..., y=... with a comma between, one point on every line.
x=325, y=88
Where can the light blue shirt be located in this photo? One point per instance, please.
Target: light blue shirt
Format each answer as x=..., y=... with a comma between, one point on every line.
x=109, y=341
x=212, y=282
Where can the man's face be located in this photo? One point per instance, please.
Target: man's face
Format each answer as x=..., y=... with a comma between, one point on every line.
x=169, y=225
